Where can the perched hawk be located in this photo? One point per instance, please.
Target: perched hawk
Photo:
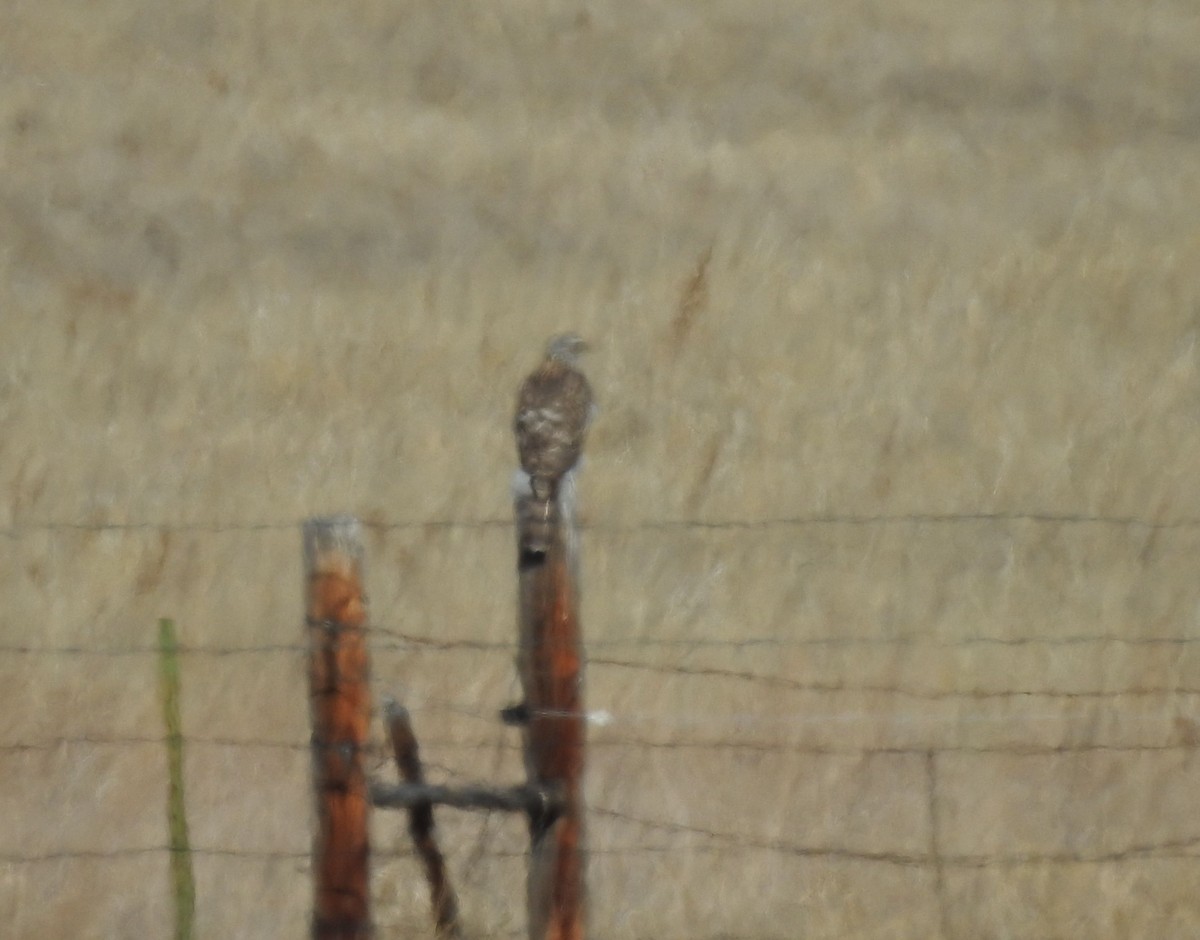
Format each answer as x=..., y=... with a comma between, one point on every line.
x=553, y=411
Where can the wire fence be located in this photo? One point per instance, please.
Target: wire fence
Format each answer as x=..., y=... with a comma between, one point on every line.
x=1169, y=710
x=17, y=530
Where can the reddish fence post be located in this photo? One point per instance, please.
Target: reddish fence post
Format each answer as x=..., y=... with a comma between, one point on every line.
x=551, y=666
x=340, y=704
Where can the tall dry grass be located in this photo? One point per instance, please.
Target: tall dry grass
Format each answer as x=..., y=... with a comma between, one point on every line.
x=840, y=262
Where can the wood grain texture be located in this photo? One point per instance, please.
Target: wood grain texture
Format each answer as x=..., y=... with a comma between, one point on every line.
x=551, y=656
x=340, y=706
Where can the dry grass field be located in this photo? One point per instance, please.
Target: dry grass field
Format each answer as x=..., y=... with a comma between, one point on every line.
x=889, y=551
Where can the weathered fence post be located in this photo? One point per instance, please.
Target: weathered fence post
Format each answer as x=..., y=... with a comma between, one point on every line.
x=420, y=821
x=551, y=667
x=340, y=704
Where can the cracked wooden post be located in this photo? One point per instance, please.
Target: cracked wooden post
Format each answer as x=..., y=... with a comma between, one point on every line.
x=551, y=666
x=340, y=706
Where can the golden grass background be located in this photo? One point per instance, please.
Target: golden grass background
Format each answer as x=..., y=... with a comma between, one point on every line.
x=890, y=551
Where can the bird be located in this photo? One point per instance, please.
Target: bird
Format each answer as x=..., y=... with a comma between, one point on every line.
x=554, y=409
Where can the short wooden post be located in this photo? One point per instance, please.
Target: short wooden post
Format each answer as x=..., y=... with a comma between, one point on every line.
x=551, y=667
x=340, y=704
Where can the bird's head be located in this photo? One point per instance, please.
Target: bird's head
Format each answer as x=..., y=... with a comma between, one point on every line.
x=566, y=348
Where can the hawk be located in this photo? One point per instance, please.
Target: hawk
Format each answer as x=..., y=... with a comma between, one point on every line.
x=553, y=410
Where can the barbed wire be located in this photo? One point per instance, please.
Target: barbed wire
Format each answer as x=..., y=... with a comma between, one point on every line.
x=838, y=688
x=721, y=843
x=399, y=641
x=379, y=749
x=656, y=835
x=16, y=530
x=699, y=672
x=800, y=685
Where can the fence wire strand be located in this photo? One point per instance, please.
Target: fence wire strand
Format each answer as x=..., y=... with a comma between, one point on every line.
x=655, y=835
x=18, y=529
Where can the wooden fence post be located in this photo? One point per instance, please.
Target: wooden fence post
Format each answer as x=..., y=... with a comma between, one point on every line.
x=420, y=821
x=551, y=667
x=340, y=705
